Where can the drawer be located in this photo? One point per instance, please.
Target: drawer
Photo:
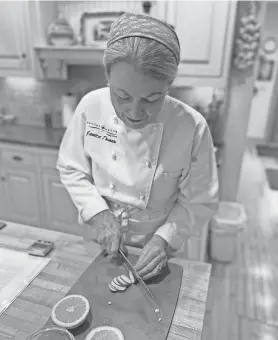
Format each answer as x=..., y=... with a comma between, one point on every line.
x=48, y=161
x=18, y=157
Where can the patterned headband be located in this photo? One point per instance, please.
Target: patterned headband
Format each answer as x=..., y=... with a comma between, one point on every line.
x=139, y=25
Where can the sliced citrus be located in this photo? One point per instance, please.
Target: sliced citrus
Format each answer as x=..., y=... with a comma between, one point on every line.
x=115, y=285
x=112, y=288
x=124, y=280
x=71, y=311
x=105, y=333
x=132, y=279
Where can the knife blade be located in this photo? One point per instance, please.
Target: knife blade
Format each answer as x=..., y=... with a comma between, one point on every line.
x=156, y=306
x=135, y=273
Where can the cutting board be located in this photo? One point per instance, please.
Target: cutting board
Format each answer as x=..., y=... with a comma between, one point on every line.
x=131, y=311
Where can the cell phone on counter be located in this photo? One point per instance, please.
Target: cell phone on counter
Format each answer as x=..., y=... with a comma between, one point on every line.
x=40, y=248
x=2, y=225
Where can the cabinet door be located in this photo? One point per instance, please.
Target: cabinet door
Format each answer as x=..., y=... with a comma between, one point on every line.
x=61, y=213
x=202, y=27
x=13, y=36
x=21, y=191
x=3, y=207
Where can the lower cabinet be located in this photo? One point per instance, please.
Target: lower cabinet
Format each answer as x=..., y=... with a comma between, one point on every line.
x=31, y=191
x=20, y=195
x=60, y=211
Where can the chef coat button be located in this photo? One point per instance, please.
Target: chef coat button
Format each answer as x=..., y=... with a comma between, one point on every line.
x=194, y=159
x=142, y=197
x=125, y=215
x=116, y=206
x=112, y=186
x=114, y=156
x=148, y=164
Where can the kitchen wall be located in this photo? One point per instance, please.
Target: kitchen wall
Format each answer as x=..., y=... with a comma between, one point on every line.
x=30, y=99
x=261, y=112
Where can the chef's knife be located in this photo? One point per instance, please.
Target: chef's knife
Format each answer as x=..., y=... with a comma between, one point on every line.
x=140, y=280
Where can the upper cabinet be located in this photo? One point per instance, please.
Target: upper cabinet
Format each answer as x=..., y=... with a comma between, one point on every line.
x=15, y=56
x=205, y=30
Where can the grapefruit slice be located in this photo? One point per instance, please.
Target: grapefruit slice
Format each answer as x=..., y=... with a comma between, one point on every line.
x=105, y=333
x=71, y=311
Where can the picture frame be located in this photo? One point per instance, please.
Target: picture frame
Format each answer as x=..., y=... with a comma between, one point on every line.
x=95, y=27
x=265, y=69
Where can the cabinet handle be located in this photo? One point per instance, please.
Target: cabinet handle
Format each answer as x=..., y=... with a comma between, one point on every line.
x=17, y=158
x=23, y=55
x=2, y=178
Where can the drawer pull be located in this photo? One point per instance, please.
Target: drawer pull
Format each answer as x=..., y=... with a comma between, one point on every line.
x=17, y=158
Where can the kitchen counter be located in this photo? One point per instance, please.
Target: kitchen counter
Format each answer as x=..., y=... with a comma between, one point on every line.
x=31, y=135
x=70, y=258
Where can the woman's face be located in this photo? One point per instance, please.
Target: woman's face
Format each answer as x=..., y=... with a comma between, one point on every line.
x=136, y=98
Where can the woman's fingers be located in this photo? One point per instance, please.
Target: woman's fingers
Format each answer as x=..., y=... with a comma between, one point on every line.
x=156, y=271
x=115, y=245
x=150, y=266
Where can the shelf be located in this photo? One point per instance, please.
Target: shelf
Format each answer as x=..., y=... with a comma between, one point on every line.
x=54, y=60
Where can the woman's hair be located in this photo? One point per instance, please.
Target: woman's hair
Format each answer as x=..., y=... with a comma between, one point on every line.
x=146, y=55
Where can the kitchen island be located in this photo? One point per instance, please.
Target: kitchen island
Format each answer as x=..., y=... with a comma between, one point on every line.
x=70, y=258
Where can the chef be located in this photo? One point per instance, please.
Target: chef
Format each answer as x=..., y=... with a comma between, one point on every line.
x=138, y=164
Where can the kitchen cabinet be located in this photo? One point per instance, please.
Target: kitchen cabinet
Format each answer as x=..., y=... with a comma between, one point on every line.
x=31, y=191
x=60, y=210
x=15, y=53
x=205, y=30
x=3, y=207
x=21, y=195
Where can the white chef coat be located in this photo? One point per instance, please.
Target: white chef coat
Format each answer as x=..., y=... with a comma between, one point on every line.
x=164, y=175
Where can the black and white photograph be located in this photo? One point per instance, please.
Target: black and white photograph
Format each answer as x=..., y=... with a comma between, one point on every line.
x=138, y=170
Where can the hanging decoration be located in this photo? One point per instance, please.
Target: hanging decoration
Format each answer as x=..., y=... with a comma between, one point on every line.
x=247, y=44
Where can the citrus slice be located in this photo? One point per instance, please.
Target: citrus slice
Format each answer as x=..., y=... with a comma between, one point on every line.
x=112, y=288
x=71, y=311
x=124, y=279
x=116, y=281
x=131, y=277
x=114, y=285
x=105, y=333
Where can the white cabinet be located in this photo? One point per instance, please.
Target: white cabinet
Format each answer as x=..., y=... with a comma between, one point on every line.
x=21, y=193
x=205, y=30
x=60, y=210
x=15, y=56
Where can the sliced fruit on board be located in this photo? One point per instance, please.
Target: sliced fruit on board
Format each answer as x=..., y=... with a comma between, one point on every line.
x=114, y=285
x=105, y=333
x=118, y=281
x=71, y=311
x=132, y=279
x=112, y=288
x=125, y=279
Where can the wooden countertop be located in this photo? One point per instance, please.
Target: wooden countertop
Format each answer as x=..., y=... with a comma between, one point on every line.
x=71, y=256
x=31, y=135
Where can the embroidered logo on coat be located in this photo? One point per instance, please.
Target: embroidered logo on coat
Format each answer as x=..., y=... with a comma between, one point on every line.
x=101, y=132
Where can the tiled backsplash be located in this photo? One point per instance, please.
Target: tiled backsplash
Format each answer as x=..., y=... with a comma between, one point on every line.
x=30, y=99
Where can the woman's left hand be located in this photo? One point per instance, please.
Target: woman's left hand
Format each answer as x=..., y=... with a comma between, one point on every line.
x=153, y=258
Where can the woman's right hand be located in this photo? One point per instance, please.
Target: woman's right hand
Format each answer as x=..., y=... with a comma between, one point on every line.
x=109, y=234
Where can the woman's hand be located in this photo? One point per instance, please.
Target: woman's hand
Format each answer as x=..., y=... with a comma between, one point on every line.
x=153, y=258
x=109, y=234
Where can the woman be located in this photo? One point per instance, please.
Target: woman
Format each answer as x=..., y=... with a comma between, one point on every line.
x=138, y=164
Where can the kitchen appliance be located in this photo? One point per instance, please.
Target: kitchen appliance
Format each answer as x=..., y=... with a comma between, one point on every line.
x=131, y=311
